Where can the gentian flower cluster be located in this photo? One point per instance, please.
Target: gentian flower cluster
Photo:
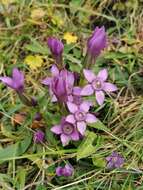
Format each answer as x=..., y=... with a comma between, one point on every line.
x=64, y=90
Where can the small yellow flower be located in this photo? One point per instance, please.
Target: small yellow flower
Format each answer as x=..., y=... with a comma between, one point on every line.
x=37, y=14
x=34, y=62
x=70, y=38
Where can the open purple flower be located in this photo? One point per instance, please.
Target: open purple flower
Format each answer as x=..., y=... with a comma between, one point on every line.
x=60, y=84
x=65, y=171
x=15, y=82
x=115, y=160
x=67, y=131
x=97, y=84
x=39, y=136
x=97, y=42
x=56, y=47
x=80, y=115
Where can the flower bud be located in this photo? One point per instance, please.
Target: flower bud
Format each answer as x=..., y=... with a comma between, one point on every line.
x=97, y=42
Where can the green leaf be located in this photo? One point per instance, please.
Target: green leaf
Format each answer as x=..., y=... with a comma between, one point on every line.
x=14, y=150
x=86, y=148
x=20, y=178
x=98, y=161
x=41, y=187
x=36, y=47
x=99, y=125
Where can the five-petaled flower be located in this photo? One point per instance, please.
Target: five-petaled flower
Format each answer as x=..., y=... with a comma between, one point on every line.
x=80, y=115
x=67, y=131
x=15, y=82
x=66, y=171
x=115, y=160
x=97, y=84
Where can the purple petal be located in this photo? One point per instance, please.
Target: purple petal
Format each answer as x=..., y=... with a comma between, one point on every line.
x=110, y=165
x=70, y=79
x=103, y=74
x=18, y=76
x=76, y=91
x=70, y=118
x=75, y=135
x=54, y=70
x=65, y=139
x=85, y=106
x=81, y=126
x=59, y=171
x=70, y=98
x=46, y=81
x=87, y=90
x=109, y=87
x=54, y=99
x=90, y=118
x=68, y=170
x=56, y=129
x=108, y=158
x=100, y=97
x=8, y=81
x=89, y=75
x=72, y=107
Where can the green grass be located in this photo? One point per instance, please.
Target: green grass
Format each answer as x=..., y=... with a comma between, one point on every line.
x=25, y=165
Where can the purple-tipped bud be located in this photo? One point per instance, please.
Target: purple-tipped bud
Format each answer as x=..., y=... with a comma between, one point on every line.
x=15, y=82
x=59, y=88
x=39, y=136
x=97, y=42
x=56, y=46
x=38, y=116
x=65, y=171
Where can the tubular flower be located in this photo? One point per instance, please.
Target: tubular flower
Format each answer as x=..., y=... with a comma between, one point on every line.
x=56, y=47
x=115, y=160
x=80, y=115
x=39, y=136
x=60, y=84
x=65, y=171
x=97, y=84
x=97, y=42
x=67, y=132
x=15, y=82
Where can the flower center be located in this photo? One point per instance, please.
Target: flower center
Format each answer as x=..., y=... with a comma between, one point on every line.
x=80, y=116
x=97, y=84
x=68, y=128
x=115, y=159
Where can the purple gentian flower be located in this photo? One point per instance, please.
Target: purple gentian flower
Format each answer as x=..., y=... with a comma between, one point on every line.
x=39, y=136
x=115, y=160
x=56, y=47
x=97, y=42
x=67, y=131
x=97, y=84
x=60, y=84
x=15, y=82
x=80, y=115
x=65, y=171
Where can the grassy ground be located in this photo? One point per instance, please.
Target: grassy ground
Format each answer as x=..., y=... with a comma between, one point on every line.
x=23, y=32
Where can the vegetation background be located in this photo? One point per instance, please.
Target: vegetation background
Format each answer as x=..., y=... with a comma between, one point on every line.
x=24, y=28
